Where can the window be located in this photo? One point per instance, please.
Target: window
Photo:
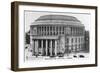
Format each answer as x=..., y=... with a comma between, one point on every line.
x=53, y=30
x=76, y=40
x=71, y=30
x=79, y=40
x=80, y=46
x=47, y=30
x=57, y=30
x=67, y=41
x=76, y=47
x=72, y=40
x=82, y=39
x=72, y=47
x=67, y=47
x=50, y=30
x=60, y=29
x=63, y=31
x=35, y=30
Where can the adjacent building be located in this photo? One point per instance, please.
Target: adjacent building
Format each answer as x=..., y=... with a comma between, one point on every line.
x=86, y=49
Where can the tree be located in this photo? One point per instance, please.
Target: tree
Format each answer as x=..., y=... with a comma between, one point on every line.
x=27, y=37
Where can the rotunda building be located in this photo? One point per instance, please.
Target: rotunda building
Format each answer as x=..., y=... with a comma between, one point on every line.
x=51, y=35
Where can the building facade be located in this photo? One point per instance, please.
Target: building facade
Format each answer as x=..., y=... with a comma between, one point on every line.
x=54, y=34
x=86, y=41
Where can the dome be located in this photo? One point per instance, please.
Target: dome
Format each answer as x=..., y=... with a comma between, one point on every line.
x=57, y=17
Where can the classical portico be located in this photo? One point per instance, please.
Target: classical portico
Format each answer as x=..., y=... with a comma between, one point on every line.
x=44, y=47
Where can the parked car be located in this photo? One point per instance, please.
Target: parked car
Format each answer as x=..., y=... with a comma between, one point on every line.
x=81, y=56
x=74, y=56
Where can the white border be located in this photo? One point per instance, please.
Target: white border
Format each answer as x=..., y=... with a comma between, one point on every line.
x=45, y=63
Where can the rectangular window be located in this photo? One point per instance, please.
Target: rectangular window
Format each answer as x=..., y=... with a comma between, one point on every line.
x=57, y=30
x=50, y=30
x=60, y=30
x=82, y=39
x=76, y=47
x=72, y=40
x=76, y=40
x=53, y=30
x=67, y=40
x=63, y=30
x=72, y=47
x=79, y=40
x=47, y=30
x=44, y=30
x=71, y=31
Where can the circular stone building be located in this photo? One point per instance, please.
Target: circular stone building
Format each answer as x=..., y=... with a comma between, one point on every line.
x=51, y=35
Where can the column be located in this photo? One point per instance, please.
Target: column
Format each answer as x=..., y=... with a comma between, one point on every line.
x=55, y=47
x=58, y=30
x=31, y=41
x=61, y=29
x=46, y=30
x=71, y=30
x=50, y=47
x=46, y=47
x=36, y=48
x=51, y=30
x=41, y=30
x=37, y=30
x=55, y=30
x=42, y=47
x=33, y=47
x=76, y=31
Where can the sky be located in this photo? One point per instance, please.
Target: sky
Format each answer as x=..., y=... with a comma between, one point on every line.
x=31, y=16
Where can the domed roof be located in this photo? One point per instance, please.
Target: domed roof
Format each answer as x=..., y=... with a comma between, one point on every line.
x=57, y=17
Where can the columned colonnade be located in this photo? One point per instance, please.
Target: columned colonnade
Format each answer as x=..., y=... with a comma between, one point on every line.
x=56, y=30
x=44, y=47
x=50, y=30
